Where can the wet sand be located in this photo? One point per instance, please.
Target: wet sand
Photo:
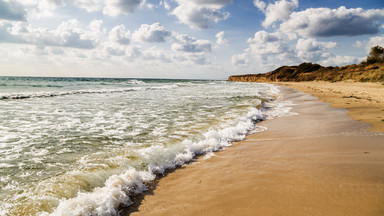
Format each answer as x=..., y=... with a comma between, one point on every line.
x=320, y=162
x=365, y=101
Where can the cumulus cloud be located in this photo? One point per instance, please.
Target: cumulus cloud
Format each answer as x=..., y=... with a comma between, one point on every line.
x=316, y=51
x=269, y=49
x=36, y=9
x=266, y=48
x=199, y=58
x=116, y=7
x=337, y=60
x=220, y=38
x=267, y=43
x=311, y=45
x=8, y=32
x=325, y=22
x=119, y=35
x=154, y=53
x=108, y=7
x=260, y=4
x=370, y=42
x=68, y=34
x=376, y=41
x=199, y=14
x=278, y=11
x=114, y=50
x=212, y=2
x=12, y=11
x=185, y=43
x=240, y=59
x=51, y=5
x=133, y=52
x=154, y=33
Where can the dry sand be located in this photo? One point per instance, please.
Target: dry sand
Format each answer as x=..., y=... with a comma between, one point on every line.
x=319, y=162
x=365, y=101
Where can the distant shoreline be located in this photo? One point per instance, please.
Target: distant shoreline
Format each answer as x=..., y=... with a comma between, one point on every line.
x=364, y=101
x=358, y=88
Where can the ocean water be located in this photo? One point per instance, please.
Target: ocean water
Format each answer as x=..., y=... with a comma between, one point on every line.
x=85, y=146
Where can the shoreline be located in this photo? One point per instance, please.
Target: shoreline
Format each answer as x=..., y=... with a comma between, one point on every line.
x=364, y=101
x=318, y=168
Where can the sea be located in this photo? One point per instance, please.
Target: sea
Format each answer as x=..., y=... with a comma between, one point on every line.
x=87, y=146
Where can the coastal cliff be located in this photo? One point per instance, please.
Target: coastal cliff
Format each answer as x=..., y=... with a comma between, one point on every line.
x=315, y=72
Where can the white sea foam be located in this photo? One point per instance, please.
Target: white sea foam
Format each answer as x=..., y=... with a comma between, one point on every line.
x=27, y=95
x=70, y=149
x=106, y=200
x=135, y=82
x=118, y=188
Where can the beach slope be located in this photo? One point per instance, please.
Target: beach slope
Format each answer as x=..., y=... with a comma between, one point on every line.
x=319, y=162
x=364, y=100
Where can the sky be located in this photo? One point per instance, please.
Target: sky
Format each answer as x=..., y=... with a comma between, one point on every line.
x=182, y=39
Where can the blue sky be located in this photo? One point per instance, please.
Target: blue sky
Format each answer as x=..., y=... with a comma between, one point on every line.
x=201, y=39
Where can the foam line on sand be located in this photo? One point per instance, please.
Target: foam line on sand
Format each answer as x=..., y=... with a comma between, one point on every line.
x=320, y=162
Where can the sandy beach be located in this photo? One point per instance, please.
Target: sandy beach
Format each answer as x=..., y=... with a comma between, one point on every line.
x=319, y=162
x=364, y=101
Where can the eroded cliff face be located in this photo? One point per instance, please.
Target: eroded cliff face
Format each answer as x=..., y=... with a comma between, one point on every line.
x=248, y=78
x=312, y=72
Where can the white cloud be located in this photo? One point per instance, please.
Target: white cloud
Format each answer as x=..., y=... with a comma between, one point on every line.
x=311, y=45
x=325, y=22
x=68, y=34
x=260, y=4
x=267, y=43
x=370, y=42
x=116, y=7
x=240, y=59
x=133, y=52
x=266, y=48
x=119, y=35
x=9, y=32
x=264, y=37
x=272, y=49
x=212, y=2
x=108, y=7
x=220, y=38
x=376, y=41
x=339, y=60
x=38, y=9
x=12, y=11
x=165, y=4
x=199, y=14
x=185, y=43
x=50, y=5
x=359, y=44
x=278, y=11
x=89, y=5
x=57, y=51
x=115, y=50
x=199, y=58
x=314, y=51
x=150, y=6
x=154, y=53
x=154, y=33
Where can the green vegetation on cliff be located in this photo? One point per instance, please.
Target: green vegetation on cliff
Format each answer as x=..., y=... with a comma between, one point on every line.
x=371, y=70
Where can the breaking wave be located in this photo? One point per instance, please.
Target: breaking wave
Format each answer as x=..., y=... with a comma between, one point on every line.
x=77, y=92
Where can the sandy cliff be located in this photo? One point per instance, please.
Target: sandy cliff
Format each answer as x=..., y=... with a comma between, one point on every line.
x=315, y=72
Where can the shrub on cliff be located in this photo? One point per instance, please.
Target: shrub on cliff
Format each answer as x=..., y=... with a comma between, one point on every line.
x=376, y=55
